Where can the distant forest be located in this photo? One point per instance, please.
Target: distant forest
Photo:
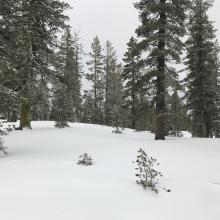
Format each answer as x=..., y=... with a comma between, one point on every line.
x=41, y=73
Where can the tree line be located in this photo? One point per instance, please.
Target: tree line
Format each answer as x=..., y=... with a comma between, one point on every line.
x=41, y=73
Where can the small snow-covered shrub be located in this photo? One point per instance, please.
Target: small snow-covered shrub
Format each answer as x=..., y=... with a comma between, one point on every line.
x=61, y=124
x=10, y=128
x=2, y=147
x=117, y=130
x=147, y=175
x=85, y=160
x=6, y=131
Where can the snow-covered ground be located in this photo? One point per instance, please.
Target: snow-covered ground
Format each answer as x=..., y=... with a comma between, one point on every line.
x=40, y=180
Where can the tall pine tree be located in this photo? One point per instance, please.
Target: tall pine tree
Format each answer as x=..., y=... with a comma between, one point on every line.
x=117, y=99
x=39, y=23
x=110, y=68
x=161, y=29
x=69, y=70
x=131, y=77
x=202, y=65
x=97, y=79
x=9, y=20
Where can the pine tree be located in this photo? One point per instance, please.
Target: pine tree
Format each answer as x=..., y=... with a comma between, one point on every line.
x=76, y=79
x=96, y=76
x=117, y=99
x=8, y=31
x=131, y=77
x=68, y=68
x=110, y=67
x=202, y=95
x=36, y=40
x=216, y=76
x=161, y=29
x=147, y=174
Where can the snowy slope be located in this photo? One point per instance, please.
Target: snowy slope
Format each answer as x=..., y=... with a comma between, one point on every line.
x=39, y=179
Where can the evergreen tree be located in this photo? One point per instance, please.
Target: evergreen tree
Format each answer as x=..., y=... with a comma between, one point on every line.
x=202, y=65
x=96, y=76
x=162, y=26
x=9, y=19
x=39, y=23
x=110, y=68
x=117, y=99
x=216, y=76
x=68, y=68
x=76, y=79
x=131, y=77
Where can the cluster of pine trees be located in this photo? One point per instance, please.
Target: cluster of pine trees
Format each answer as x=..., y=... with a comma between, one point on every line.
x=103, y=102
x=174, y=32
x=41, y=73
x=28, y=41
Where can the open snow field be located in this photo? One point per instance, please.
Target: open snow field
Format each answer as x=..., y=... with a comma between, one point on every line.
x=40, y=180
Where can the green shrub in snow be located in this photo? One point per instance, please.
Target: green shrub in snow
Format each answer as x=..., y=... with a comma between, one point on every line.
x=85, y=160
x=147, y=174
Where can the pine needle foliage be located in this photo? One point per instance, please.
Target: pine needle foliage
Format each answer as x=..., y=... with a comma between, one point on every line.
x=202, y=63
x=147, y=174
x=85, y=160
x=161, y=30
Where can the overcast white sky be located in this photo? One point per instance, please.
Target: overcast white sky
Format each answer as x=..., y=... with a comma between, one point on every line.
x=113, y=20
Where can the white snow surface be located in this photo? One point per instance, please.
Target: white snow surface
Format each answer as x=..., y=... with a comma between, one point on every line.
x=40, y=178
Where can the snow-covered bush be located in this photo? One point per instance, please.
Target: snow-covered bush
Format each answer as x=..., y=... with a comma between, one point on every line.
x=10, y=128
x=5, y=131
x=2, y=147
x=61, y=124
x=147, y=175
x=85, y=160
x=117, y=130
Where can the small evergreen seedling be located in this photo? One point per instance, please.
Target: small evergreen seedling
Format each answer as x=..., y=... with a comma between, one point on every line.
x=117, y=130
x=147, y=175
x=61, y=124
x=85, y=160
x=2, y=147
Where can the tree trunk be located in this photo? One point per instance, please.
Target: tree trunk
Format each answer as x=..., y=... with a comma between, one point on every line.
x=133, y=100
x=25, y=121
x=205, y=127
x=160, y=82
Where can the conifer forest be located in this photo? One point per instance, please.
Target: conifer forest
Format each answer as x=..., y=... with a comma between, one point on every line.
x=117, y=125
